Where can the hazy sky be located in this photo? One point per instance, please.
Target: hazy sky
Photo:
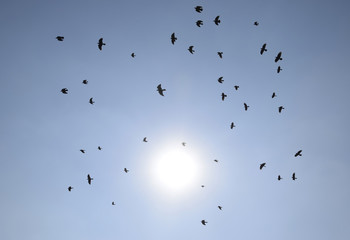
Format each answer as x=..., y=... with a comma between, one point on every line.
x=42, y=130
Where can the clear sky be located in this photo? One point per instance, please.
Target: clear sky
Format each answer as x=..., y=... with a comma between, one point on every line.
x=42, y=130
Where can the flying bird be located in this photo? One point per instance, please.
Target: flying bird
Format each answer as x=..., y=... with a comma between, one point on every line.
x=274, y=95
x=173, y=38
x=126, y=170
x=145, y=139
x=220, y=207
x=232, y=125
x=160, y=89
x=223, y=95
x=113, y=203
x=184, y=144
x=82, y=150
x=198, y=9
x=99, y=148
x=199, y=23
x=278, y=57
x=236, y=87
x=100, y=43
x=279, y=178
x=220, y=54
x=256, y=23
x=215, y=160
x=221, y=80
x=263, y=49
x=133, y=55
x=60, y=38
x=279, y=69
x=280, y=109
x=298, y=153
x=246, y=106
x=64, y=90
x=262, y=165
x=70, y=188
x=217, y=20
x=202, y=186
x=85, y=81
x=89, y=179
x=191, y=49
x=204, y=222
x=91, y=101
x=293, y=176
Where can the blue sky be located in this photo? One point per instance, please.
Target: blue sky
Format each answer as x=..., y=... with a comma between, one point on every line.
x=42, y=130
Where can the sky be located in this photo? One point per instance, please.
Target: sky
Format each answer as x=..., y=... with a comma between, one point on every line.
x=42, y=130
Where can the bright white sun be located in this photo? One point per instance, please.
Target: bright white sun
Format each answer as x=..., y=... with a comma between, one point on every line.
x=175, y=170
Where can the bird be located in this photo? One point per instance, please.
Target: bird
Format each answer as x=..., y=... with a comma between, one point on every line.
x=99, y=148
x=191, y=49
x=279, y=178
x=278, y=57
x=91, y=101
x=217, y=20
x=199, y=23
x=298, y=153
x=145, y=139
x=202, y=186
x=133, y=55
x=215, y=160
x=204, y=222
x=70, y=188
x=85, y=81
x=100, y=43
x=60, y=38
x=280, y=109
x=160, y=89
x=279, y=69
x=64, y=90
x=221, y=80
x=263, y=49
x=173, y=38
x=89, y=179
x=126, y=170
x=232, y=125
x=262, y=165
x=220, y=54
x=274, y=95
x=220, y=207
x=113, y=203
x=198, y=9
x=223, y=95
x=256, y=23
x=246, y=106
x=82, y=150
x=236, y=87
x=184, y=144
x=293, y=177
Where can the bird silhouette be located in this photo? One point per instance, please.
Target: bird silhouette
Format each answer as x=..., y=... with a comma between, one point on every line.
x=280, y=109
x=215, y=160
x=133, y=55
x=274, y=95
x=204, y=222
x=262, y=165
x=91, y=101
x=173, y=38
x=202, y=186
x=199, y=23
x=278, y=57
x=82, y=150
x=232, y=125
x=220, y=54
x=246, y=106
x=293, y=177
x=221, y=80
x=85, y=81
x=279, y=69
x=298, y=153
x=184, y=144
x=89, y=179
x=199, y=9
x=220, y=207
x=236, y=87
x=126, y=170
x=263, y=49
x=191, y=49
x=145, y=139
x=70, y=188
x=279, y=178
x=64, y=90
x=217, y=20
x=223, y=95
x=60, y=38
x=256, y=23
x=113, y=203
x=160, y=89
x=100, y=43
x=99, y=148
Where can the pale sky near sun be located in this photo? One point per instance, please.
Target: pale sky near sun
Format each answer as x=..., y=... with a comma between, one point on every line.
x=161, y=197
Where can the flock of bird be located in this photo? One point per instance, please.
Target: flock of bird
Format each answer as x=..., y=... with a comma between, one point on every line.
x=161, y=91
